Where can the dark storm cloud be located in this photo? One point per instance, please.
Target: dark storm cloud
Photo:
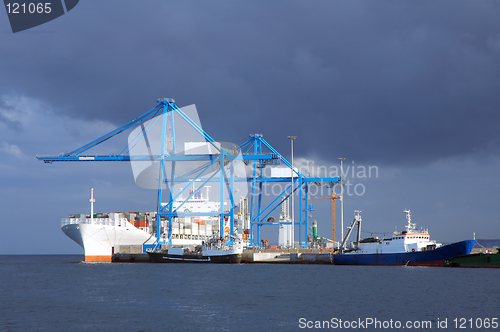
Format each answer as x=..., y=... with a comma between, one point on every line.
x=381, y=82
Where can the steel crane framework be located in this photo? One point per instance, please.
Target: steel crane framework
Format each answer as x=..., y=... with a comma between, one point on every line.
x=256, y=153
x=332, y=198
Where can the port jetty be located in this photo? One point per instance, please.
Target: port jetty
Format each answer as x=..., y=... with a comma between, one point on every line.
x=132, y=254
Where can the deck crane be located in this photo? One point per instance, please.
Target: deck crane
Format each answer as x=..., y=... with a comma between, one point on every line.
x=332, y=198
x=255, y=152
x=357, y=220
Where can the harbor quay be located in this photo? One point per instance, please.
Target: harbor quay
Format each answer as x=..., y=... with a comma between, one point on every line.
x=134, y=254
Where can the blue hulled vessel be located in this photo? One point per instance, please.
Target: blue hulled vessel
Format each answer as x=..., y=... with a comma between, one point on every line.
x=409, y=247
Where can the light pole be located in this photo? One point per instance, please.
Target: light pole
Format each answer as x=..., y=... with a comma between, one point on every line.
x=341, y=201
x=292, y=235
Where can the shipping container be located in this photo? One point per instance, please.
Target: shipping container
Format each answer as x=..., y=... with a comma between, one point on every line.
x=141, y=223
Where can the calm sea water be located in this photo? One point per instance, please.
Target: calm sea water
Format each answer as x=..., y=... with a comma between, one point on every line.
x=57, y=293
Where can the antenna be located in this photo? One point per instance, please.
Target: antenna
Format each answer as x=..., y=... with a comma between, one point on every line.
x=411, y=226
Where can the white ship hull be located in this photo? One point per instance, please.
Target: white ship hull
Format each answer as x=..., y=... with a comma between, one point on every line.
x=100, y=236
x=223, y=252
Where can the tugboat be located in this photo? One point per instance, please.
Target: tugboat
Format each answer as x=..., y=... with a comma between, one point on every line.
x=177, y=255
x=221, y=251
x=409, y=247
x=215, y=250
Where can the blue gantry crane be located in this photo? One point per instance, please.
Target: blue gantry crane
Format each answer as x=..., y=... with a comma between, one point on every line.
x=212, y=162
x=259, y=215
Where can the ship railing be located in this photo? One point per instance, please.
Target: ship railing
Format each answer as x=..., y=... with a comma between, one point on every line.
x=209, y=245
x=422, y=231
x=416, y=231
x=120, y=222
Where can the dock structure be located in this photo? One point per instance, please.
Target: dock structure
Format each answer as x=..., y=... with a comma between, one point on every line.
x=291, y=256
x=250, y=256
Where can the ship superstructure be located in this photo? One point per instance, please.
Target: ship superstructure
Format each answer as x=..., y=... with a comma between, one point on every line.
x=409, y=240
x=193, y=230
x=409, y=247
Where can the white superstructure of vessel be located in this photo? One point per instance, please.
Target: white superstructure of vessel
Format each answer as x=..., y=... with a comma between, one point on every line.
x=193, y=230
x=409, y=240
x=228, y=246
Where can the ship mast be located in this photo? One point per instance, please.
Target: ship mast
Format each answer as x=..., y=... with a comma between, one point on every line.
x=92, y=200
x=410, y=228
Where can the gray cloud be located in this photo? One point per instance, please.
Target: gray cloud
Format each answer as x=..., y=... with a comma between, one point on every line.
x=4, y=117
x=390, y=82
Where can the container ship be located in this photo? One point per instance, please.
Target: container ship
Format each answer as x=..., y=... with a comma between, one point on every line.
x=102, y=234
x=409, y=247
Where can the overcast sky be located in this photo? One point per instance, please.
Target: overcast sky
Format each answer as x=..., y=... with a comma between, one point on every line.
x=411, y=88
